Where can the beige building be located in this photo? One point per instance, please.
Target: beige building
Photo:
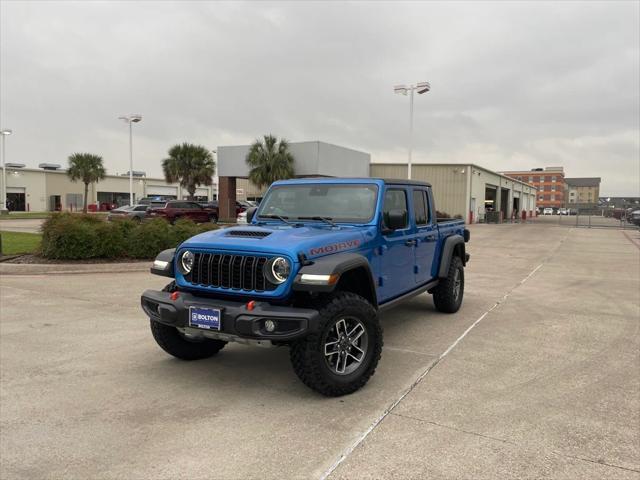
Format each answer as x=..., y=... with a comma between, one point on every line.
x=582, y=191
x=49, y=189
x=466, y=190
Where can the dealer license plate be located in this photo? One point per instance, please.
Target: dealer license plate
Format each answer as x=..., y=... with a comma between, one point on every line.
x=208, y=318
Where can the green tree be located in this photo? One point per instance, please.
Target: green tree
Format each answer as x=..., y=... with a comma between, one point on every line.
x=190, y=165
x=269, y=160
x=87, y=168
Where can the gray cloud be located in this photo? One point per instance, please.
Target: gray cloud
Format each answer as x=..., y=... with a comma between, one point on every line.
x=515, y=84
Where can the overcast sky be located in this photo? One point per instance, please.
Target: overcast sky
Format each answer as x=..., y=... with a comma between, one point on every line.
x=514, y=84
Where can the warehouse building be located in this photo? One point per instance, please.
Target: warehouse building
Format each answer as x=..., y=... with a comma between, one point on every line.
x=48, y=188
x=468, y=191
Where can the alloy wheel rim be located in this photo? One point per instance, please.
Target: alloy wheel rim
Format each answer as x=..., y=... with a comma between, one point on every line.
x=345, y=345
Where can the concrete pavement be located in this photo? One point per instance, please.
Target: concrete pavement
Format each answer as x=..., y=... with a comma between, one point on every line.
x=544, y=384
x=27, y=225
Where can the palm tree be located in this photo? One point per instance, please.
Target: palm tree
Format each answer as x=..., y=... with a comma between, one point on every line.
x=190, y=165
x=269, y=160
x=87, y=168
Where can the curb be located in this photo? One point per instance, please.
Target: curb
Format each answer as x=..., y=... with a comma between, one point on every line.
x=63, y=269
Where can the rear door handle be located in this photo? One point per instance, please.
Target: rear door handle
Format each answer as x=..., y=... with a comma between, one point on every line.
x=430, y=237
x=409, y=243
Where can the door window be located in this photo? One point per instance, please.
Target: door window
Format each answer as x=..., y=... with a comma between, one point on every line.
x=395, y=199
x=419, y=207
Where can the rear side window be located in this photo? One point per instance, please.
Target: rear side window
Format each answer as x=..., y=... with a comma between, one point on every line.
x=395, y=199
x=420, y=207
x=140, y=209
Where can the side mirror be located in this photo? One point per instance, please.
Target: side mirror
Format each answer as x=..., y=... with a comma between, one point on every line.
x=250, y=213
x=395, y=219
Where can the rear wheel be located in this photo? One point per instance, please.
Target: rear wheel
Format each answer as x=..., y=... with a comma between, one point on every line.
x=343, y=354
x=447, y=296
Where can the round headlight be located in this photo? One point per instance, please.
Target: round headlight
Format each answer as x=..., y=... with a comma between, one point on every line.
x=279, y=270
x=186, y=261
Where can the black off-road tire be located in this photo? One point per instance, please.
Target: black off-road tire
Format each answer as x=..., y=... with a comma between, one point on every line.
x=172, y=342
x=446, y=297
x=307, y=354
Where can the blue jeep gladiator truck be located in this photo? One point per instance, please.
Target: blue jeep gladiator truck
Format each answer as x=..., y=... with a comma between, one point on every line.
x=317, y=261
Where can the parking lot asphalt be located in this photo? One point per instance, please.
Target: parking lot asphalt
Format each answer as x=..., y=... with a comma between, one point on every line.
x=537, y=376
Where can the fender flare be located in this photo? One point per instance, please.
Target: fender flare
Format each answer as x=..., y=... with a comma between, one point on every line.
x=331, y=265
x=450, y=245
x=163, y=264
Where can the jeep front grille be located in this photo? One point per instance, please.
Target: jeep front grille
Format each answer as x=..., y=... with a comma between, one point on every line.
x=237, y=272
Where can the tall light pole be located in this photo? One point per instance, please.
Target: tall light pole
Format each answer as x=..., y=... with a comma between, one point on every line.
x=420, y=87
x=6, y=132
x=132, y=118
x=216, y=178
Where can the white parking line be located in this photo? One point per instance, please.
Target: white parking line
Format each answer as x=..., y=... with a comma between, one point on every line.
x=406, y=392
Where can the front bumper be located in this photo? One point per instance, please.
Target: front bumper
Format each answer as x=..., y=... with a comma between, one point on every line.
x=236, y=320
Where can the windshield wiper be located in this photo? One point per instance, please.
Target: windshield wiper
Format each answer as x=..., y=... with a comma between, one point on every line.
x=279, y=217
x=328, y=220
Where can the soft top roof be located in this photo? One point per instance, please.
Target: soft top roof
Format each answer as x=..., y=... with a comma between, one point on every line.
x=397, y=181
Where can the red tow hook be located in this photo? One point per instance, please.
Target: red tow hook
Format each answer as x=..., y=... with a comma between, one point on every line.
x=174, y=296
x=251, y=305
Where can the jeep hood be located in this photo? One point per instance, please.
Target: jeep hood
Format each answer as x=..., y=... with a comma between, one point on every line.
x=313, y=241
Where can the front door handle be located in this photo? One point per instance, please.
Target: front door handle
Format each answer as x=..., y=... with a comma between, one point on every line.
x=430, y=237
x=410, y=243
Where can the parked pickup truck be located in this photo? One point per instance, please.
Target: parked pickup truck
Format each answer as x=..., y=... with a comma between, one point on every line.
x=176, y=209
x=317, y=261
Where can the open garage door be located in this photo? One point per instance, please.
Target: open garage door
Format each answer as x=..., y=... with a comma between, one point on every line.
x=16, y=199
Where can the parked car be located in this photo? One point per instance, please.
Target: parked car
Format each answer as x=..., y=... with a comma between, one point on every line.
x=563, y=211
x=318, y=260
x=244, y=204
x=547, y=211
x=176, y=209
x=214, y=205
x=634, y=217
x=136, y=213
x=242, y=218
x=156, y=200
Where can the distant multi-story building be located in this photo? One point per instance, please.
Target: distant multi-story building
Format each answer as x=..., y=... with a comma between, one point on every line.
x=582, y=191
x=549, y=181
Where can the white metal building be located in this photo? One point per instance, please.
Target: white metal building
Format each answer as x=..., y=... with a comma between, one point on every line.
x=45, y=189
x=467, y=190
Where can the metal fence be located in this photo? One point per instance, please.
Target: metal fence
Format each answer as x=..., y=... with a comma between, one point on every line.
x=593, y=217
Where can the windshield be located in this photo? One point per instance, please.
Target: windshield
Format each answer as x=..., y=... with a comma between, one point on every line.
x=353, y=203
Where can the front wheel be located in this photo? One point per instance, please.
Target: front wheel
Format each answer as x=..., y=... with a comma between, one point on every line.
x=176, y=344
x=447, y=296
x=341, y=356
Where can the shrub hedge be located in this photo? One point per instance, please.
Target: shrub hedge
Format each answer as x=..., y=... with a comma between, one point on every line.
x=73, y=237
